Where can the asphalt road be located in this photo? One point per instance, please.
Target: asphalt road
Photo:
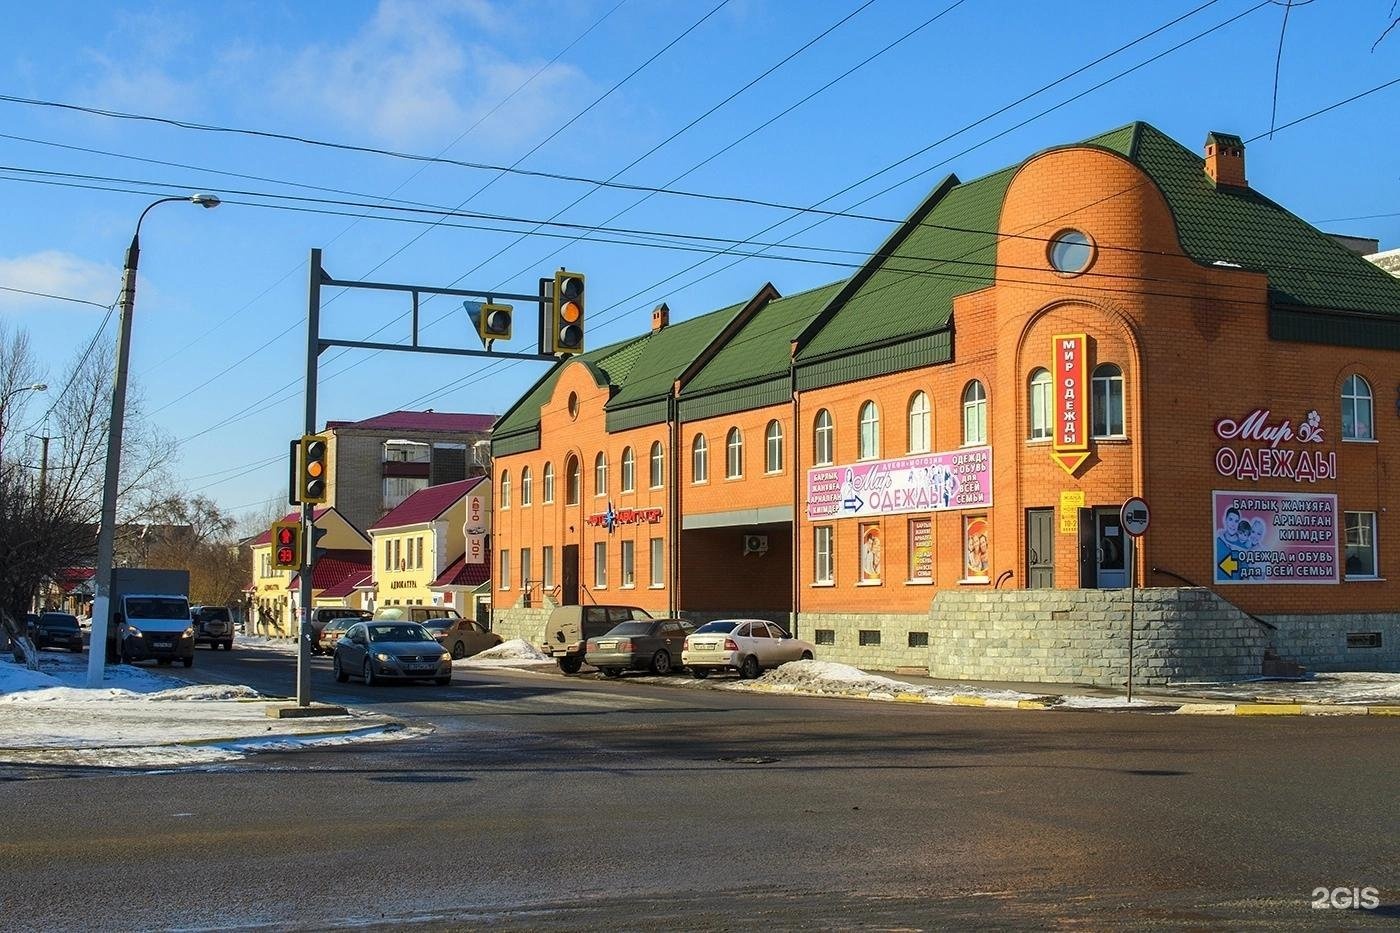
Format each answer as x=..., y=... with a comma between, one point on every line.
x=546, y=802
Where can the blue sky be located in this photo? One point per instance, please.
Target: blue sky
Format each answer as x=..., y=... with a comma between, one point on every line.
x=416, y=76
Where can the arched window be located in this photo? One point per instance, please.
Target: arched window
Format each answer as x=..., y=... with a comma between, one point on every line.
x=629, y=470
x=505, y=489
x=1040, y=404
x=549, y=482
x=658, y=465
x=600, y=474
x=1356, y=410
x=1107, y=401
x=527, y=484
x=822, y=438
x=699, y=460
x=573, y=479
x=869, y=431
x=773, y=447
x=974, y=413
x=920, y=439
x=734, y=454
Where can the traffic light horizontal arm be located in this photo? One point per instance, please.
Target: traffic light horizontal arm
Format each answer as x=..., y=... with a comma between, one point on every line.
x=490, y=296
x=420, y=348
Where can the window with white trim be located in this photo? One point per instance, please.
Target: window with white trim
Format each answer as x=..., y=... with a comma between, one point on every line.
x=525, y=569
x=1107, y=401
x=734, y=454
x=920, y=438
x=505, y=489
x=547, y=567
x=1361, y=545
x=773, y=447
x=504, y=577
x=1039, y=407
x=600, y=474
x=699, y=460
x=658, y=465
x=629, y=470
x=1357, y=424
x=658, y=564
x=974, y=413
x=549, y=483
x=869, y=432
x=823, y=568
x=629, y=564
x=573, y=480
x=600, y=565
x=527, y=487
x=823, y=433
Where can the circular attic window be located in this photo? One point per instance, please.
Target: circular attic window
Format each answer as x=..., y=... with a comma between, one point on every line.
x=1071, y=252
x=573, y=405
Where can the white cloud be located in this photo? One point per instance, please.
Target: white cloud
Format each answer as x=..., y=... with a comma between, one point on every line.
x=419, y=72
x=56, y=273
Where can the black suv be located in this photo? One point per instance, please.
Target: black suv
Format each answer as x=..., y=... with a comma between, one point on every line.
x=212, y=626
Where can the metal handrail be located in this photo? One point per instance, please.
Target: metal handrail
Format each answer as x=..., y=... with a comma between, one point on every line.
x=1005, y=575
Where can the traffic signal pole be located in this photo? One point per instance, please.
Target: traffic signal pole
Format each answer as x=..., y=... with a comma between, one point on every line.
x=308, y=509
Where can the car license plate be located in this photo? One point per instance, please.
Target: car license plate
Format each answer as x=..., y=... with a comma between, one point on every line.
x=422, y=667
x=161, y=644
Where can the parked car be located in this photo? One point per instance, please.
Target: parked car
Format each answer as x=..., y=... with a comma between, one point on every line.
x=375, y=651
x=749, y=646
x=322, y=617
x=57, y=630
x=330, y=633
x=569, y=628
x=654, y=646
x=212, y=626
x=462, y=637
x=421, y=614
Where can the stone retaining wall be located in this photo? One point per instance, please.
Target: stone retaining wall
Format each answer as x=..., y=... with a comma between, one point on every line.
x=1319, y=643
x=886, y=639
x=517, y=622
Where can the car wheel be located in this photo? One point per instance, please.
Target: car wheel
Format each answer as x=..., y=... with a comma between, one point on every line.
x=340, y=675
x=228, y=645
x=459, y=651
x=188, y=662
x=368, y=674
x=699, y=673
x=570, y=664
x=750, y=670
x=612, y=672
x=806, y=655
x=661, y=662
x=443, y=681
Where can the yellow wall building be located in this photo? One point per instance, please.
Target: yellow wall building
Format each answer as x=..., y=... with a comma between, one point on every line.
x=422, y=538
x=273, y=591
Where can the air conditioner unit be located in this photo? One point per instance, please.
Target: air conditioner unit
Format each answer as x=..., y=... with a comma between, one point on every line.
x=755, y=544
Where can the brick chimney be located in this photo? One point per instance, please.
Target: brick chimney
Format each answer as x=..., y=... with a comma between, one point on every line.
x=660, y=317
x=1225, y=160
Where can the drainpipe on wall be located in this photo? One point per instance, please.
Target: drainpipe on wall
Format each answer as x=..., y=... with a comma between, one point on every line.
x=797, y=507
x=673, y=494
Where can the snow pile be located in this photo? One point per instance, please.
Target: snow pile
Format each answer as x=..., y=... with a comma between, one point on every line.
x=1088, y=702
x=266, y=642
x=64, y=671
x=1362, y=688
x=207, y=692
x=831, y=679
x=514, y=651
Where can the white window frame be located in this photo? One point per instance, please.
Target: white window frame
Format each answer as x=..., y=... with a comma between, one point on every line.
x=974, y=404
x=658, y=465
x=823, y=439
x=920, y=423
x=734, y=454
x=505, y=569
x=1101, y=401
x=525, y=570
x=773, y=447
x=600, y=475
x=1367, y=530
x=1355, y=391
x=549, y=483
x=868, y=435
x=505, y=489
x=629, y=564
x=1038, y=405
x=823, y=556
x=573, y=480
x=629, y=470
x=547, y=566
x=658, y=564
x=527, y=487
x=600, y=565
x=699, y=460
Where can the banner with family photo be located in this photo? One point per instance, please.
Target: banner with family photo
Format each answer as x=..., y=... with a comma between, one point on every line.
x=958, y=479
x=1275, y=537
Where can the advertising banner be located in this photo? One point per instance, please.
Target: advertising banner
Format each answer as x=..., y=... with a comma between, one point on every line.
x=921, y=549
x=959, y=479
x=1071, y=400
x=1275, y=537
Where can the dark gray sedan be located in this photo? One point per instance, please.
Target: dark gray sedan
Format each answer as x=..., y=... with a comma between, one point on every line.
x=375, y=651
x=653, y=645
x=57, y=630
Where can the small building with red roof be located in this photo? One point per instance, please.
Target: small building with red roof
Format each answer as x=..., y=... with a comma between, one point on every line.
x=424, y=537
x=274, y=592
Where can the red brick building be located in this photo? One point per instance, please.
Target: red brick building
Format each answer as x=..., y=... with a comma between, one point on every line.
x=967, y=413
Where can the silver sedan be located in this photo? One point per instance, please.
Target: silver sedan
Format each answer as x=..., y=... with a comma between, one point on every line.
x=375, y=651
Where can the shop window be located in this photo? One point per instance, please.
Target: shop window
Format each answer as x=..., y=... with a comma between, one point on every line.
x=822, y=436
x=1039, y=406
x=549, y=483
x=823, y=569
x=629, y=470
x=600, y=474
x=505, y=489
x=920, y=439
x=600, y=565
x=573, y=479
x=824, y=636
x=658, y=465
x=527, y=487
x=1361, y=545
x=869, y=638
x=504, y=576
x=629, y=564
x=872, y=553
x=977, y=549
x=734, y=454
x=658, y=564
x=974, y=413
x=1356, y=410
x=773, y=447
x=1107, y=403
x=920, y=550
x=699, y=460
x=869, y=431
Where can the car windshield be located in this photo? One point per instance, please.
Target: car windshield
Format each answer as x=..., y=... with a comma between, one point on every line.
x=403, y=632
x=58, y=620
x=724, y=626
x=213, y=614
x=156, y=607
x=631, y=628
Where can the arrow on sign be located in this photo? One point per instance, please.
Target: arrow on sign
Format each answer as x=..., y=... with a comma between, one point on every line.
x=1229, y=565
x=1071, y=460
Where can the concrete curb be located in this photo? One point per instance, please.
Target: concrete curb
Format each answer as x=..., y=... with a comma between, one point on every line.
x=1284, y=709
x=221, y=740
x=956, y=699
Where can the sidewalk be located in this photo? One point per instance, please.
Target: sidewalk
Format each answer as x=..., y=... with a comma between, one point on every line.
x=142, y=719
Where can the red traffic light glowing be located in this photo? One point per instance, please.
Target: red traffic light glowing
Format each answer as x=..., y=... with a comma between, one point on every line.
x=286, y=536
x=285, y=555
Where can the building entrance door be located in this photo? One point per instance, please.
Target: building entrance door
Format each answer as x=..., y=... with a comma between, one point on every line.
x=568, y=590
x=1114, y=549
x=1040, y=548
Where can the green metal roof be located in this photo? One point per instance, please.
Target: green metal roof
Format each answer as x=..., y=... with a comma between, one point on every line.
x=762, y=348
x=668, y=351
x=612, y=362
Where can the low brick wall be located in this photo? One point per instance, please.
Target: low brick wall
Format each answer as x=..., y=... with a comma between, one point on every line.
x=1081, y=636
x=517, y=622
x=866, y=640
x=1319, y=643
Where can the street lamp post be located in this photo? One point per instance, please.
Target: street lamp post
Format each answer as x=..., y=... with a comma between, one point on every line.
x=106, y=531
x=5, y=400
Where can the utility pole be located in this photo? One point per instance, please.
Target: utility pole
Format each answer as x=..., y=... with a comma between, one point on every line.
x=44, y=471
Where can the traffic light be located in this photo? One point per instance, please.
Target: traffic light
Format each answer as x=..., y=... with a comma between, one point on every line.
x=568, y=311
x=492, y=321
x=314, y=470
x=314, y=551
x=286, y=545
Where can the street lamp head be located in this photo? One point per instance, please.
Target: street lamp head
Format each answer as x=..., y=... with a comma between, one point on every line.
x=40, y=387
x=205, y=200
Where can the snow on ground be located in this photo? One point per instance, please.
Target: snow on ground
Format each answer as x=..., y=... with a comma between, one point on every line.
x=140, y=718
x=516, y=654
x=1348, y=688
x=266, y=642
x=1119, y=702
x=828, y=677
